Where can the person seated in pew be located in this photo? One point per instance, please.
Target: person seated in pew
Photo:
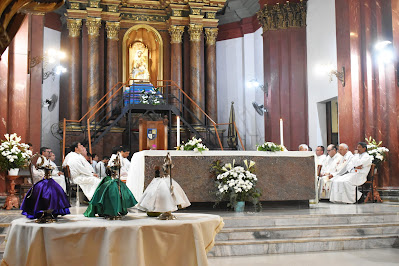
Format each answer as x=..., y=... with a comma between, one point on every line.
x=101, y=167
x=82, y=172
x=339, y=169
x=320, y=156
x=57, y=175
x=343, y=188
x=123, y=152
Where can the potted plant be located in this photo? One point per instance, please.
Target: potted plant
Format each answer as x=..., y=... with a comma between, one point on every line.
x=13, y=154
x=270, y=146
x=236, y=184
x=376, y=150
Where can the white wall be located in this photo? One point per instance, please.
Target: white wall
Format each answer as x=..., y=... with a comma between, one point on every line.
x=238, y=61
x=52, y=39
x=321, y=49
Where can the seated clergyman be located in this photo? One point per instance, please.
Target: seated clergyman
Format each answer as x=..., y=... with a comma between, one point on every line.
x=337, y=168
x=55, y=173
x=101, y=167
x=82, y=172
x=343, y=188
x=320, y=156
x=303, y=147
x=123, y=152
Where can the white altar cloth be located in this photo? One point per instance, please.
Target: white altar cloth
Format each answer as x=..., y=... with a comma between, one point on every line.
x=135, y=240
x=135, y=179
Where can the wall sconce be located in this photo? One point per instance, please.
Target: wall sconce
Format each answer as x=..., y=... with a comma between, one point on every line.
x=339, y=74
x=51, y=66
x=255, y=84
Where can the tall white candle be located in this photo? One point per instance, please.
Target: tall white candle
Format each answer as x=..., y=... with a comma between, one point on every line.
x=178, y=131
x=281, y=132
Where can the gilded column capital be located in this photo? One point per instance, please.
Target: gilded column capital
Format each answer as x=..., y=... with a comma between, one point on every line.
x=211, y=34
x=74, y=26
x=276, y=17
x=93, y=26
x=112, y=30
x=195, y=31
x=176, y=32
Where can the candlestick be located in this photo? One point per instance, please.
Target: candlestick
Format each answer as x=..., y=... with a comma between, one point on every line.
x=178, y=131
x=281, y=132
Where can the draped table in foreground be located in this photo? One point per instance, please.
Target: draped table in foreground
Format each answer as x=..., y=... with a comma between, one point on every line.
x=135, y=240
x=282, y=176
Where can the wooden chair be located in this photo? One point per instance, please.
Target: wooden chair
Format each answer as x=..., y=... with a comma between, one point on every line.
x=69, y=186
x=319, y=170
x=372, y=194
x=28, y=180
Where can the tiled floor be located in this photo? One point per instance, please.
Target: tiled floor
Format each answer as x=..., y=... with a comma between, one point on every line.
x=368, y=257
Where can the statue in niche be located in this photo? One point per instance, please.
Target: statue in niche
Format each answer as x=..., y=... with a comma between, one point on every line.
x=138, y=60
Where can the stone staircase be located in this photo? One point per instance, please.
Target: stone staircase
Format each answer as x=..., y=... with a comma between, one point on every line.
x=264, y=234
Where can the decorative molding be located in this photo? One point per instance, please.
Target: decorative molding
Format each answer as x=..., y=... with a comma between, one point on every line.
x=289, y=15
x=94, y=3
x=75, y=5
x=93, y=26
x=195, y=11
x=112, y=30
x=142, y=17
x=211, y=15
x=177, y=13
x=74, y=26
x=195, y=31
x=176, y=32
x=211, y=35
x=113, y=8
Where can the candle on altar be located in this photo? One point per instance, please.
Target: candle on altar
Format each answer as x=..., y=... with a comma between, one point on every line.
x=281, y=132
x=178, y=131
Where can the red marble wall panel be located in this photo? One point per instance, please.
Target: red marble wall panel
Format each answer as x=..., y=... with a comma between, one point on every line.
x=285, y=74
x=368, y=104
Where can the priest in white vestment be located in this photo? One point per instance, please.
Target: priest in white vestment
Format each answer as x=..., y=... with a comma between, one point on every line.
x=331, y=162
x=320, y=156
x=123, y=153
x=335, y=170
x=343, y=188
x=82, y=172
x=101, y=166
x=56, y=175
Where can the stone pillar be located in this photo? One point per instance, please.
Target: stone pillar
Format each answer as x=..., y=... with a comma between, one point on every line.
x=93, y=67
x=176, y=33
x=74, y=70
x=210, y=78
x=112, y=60
x=195, y=91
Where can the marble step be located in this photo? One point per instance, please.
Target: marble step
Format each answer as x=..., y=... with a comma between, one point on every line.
x=292, y=220
x=280, y=232
x=299, y=245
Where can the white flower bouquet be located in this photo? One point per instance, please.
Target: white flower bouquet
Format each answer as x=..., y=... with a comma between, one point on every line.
x=236, y=183
x=13, y=153
x=193, y=145
x=375, y=149
x=270, y=146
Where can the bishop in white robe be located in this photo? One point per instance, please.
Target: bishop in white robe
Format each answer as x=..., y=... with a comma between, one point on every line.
x=343, y=188
x=82, y=172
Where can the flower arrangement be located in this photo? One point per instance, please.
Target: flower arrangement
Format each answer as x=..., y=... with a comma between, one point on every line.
x=270, y=146
x=13, y=154
x=151, y=97
x=193, y=145
x=236, y=183
x=375, y=149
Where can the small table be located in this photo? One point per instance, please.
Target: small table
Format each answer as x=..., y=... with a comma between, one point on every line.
x=134, y=240
x=12, y=201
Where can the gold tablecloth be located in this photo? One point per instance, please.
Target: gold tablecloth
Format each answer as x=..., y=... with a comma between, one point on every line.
x=135, y=240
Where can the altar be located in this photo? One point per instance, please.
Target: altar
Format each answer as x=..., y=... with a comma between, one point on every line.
x=134, y=240
x=282, y=176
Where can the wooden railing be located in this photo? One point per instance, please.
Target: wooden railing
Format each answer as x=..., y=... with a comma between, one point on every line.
x=90, y=114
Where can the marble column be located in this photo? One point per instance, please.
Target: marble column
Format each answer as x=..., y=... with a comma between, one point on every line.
x=210, y=59
x=176, y=33
x=74, y=87
x=93, y=67
x=195, y=91
x=112, y=29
